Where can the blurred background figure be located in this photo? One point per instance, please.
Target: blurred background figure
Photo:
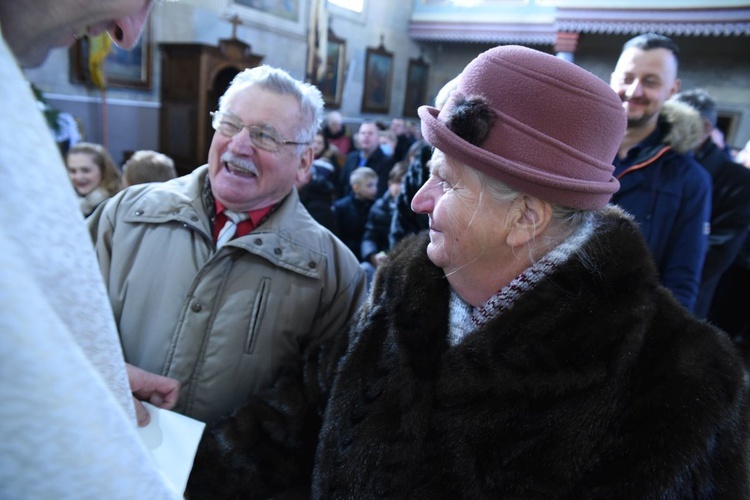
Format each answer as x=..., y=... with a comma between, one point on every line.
x=337, y=134
x=93, y=173
x=147, y=166
x=404, y=138
x=406, y=221
x=316, y=193
x=324, y=151
x=743, y=156
x=369, y=154
x=388, y=142
x=729, y=305
x=375, y=242
x=353, y=209
x=730, y=199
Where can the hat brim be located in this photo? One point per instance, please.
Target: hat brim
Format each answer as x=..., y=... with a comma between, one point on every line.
x=527, y=179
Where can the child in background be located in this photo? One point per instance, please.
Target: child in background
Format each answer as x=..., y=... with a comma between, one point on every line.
x=352, y=210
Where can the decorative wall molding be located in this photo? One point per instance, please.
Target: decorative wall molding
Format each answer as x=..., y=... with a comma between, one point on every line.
x=685, y=22
x=533, y=34
x=669, y=29
x=694, y=22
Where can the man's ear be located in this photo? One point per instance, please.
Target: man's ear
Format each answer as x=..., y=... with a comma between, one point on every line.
x=676, y=87
x=305, y=164
x=528, y=218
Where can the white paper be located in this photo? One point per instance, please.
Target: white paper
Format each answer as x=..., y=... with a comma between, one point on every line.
x=172, y=440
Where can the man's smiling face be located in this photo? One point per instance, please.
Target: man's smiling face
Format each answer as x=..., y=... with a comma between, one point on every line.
x=245, y=177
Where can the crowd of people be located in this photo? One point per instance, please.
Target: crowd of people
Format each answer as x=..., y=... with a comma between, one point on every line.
x=505, y=302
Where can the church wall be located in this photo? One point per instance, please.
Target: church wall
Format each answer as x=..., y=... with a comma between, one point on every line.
x=721, y=65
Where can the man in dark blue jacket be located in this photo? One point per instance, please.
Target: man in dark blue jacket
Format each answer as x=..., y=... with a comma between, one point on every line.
x=661, y=185
x=368, y=154
x=730, y=208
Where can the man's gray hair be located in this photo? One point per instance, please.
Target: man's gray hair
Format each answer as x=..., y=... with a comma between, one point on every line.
x=278, y=81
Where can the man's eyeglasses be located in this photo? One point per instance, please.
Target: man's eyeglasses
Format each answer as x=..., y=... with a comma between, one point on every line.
x=229, y=125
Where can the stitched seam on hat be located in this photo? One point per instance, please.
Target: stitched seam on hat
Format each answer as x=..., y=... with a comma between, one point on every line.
x=477, y=154
x=542, y=137
x=555, y=81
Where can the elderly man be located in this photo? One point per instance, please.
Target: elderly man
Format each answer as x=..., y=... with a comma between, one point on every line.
x=67, y=423
x=220, y=278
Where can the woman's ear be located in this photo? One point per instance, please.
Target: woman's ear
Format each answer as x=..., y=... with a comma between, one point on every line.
x=528, y=218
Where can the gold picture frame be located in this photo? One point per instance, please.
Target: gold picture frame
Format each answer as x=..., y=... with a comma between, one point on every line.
x=378, y=77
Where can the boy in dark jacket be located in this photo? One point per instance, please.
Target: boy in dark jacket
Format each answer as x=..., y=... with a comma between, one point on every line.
x=352, y=210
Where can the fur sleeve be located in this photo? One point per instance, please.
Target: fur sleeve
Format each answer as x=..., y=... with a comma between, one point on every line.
x=266, y=448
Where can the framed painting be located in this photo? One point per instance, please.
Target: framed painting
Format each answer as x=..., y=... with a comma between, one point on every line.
x=128, y=69
x=288, y=17
x=331, y=84
x=416, y=86
x=378, y=75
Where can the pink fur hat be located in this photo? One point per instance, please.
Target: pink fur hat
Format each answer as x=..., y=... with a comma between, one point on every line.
x=556, y=126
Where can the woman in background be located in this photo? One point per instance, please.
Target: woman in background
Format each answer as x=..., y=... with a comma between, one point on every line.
x=93, y=174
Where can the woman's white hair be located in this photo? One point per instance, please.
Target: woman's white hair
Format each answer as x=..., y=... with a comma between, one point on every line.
x=565, y=220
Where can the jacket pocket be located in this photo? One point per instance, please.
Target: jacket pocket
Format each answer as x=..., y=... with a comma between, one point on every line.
x=256, y=315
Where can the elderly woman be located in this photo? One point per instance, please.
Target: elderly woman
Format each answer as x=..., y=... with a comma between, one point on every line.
x=522, y=348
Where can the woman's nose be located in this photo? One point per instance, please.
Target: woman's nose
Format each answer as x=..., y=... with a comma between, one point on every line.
x=422, y=201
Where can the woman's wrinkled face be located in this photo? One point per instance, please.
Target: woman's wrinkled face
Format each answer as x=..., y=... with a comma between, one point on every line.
x=84, y=173
x=467, y=227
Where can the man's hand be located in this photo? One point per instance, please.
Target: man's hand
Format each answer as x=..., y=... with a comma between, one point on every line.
x=158, y=390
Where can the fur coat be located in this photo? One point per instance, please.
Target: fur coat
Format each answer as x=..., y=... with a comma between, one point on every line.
x=595, y=383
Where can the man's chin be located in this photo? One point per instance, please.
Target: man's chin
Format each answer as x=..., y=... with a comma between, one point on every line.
x=639, y=122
